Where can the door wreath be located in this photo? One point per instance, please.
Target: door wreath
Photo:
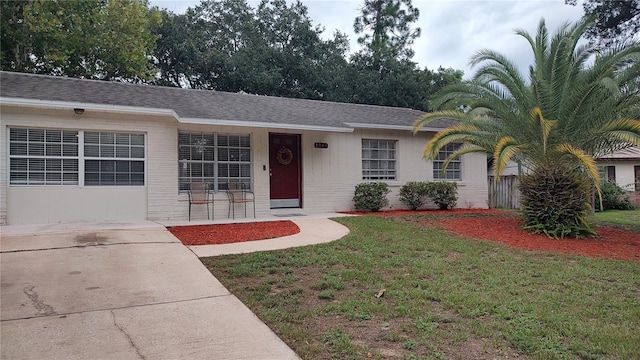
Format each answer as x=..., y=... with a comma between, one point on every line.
x=284, y=156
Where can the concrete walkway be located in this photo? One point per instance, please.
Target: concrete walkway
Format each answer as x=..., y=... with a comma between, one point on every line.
x=314, y=230
x=129, y=291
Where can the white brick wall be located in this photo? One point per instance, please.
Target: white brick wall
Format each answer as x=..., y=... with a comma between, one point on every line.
x=48, y=204
x=329, y=175
x=625, y=172
x=3, y=166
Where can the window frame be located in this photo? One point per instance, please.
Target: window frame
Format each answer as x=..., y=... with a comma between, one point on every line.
x=44, y=157
x=607, y=173
x=384, y=172
x=109, y=163
x=80, y=157
x=438, y=162
x=223, y=153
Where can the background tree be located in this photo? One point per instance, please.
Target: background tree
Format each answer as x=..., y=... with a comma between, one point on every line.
x=615, y=20
x=272, y=50
x=382, y=73
x=568, y=112
x=386, y=30
x=180, y=50
x=14, y=37
x=79, y=38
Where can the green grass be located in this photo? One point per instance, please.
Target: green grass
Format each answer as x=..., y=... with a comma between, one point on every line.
x=626, y=219
x=444, y=297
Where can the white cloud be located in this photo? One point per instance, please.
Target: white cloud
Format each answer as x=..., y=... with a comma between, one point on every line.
x=452, y=30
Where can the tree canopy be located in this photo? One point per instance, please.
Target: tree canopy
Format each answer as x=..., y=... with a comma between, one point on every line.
x=386, y=30
x=614, y=20
x=109, y=40
x=273, y=48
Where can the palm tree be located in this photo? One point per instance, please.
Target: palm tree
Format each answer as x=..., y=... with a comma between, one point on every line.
x=577, y=103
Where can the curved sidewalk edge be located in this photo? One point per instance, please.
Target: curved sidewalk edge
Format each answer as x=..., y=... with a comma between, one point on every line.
x=312, y=231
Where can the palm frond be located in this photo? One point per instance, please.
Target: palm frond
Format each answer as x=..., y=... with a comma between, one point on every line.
x=438, y=115
x=458, y=133
x=544, y=126
x=506, y=148
x=584, y=160
x=462, y=150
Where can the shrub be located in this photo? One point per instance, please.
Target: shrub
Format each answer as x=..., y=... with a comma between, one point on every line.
x=615, y=198
x=371, y=196
x=413, y=194
x=555, y=201
x=443, y=194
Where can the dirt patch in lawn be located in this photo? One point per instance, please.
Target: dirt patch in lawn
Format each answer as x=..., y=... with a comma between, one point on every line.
x=232, y=233
x=393, y=337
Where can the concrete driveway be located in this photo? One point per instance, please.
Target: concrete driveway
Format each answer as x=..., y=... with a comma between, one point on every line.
x=119, y=291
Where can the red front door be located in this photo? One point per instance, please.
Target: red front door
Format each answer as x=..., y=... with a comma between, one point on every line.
x=284, y=163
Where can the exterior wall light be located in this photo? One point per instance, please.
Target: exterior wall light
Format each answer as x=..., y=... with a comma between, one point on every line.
x=78, y=111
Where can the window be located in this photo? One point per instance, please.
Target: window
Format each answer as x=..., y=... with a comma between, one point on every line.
x=43, y=157
x=611, y=174
x=113, y=159
x=234, y=159
x=378, y=159
x=52, y=157
x=453, y=171
x=607, y=173
x=214, y=158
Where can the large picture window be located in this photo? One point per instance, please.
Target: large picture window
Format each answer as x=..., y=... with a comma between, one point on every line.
x=453, y=171
x=53, y=157
x=378, y=159
x=43, y=157
x=216, y=159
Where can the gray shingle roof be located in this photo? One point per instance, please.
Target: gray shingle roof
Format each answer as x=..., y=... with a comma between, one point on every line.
x=206, y=104
x=630, y=153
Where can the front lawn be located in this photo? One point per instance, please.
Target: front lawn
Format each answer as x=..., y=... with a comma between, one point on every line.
x=395, y=288
x=628, y=219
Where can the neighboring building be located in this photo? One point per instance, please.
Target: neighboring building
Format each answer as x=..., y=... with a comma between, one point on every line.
x=79, y=150
x=623, y=168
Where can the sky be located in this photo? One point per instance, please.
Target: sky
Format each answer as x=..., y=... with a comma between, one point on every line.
x=452, y=30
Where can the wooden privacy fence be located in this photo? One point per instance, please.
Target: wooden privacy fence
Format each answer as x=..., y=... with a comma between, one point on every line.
x=504, y=194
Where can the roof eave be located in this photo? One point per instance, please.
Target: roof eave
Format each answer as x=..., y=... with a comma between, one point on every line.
x=259, y=124
x=391, y=127
x=69, y=105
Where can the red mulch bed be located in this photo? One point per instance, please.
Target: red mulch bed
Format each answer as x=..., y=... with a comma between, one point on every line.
x=610, y=243
x=491, y=225
x=231, y=233
x=392, y=213
x=505, y=227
